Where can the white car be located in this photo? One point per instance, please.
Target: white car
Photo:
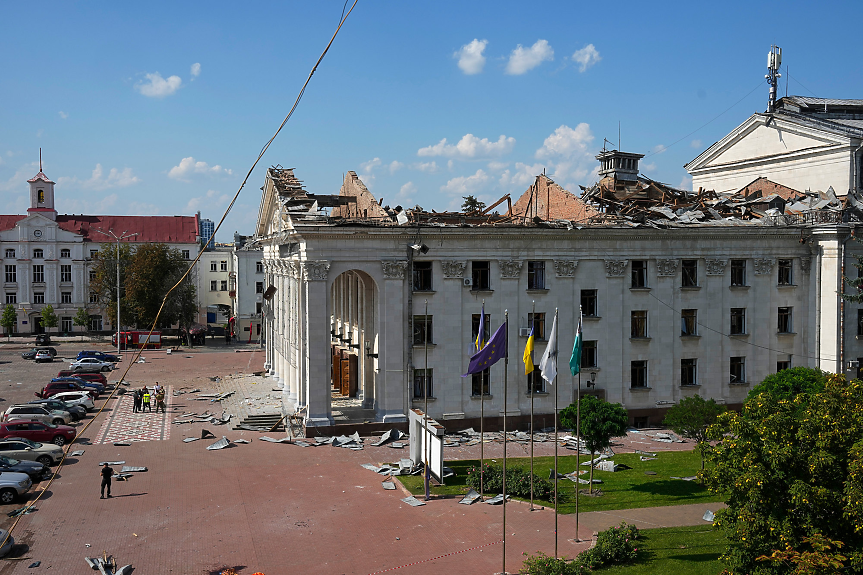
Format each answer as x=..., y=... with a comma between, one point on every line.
x=82, y=398
x=41, y=413
x=91, y=364
x=12, y=485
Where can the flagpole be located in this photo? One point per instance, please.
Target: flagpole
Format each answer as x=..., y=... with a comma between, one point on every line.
x=479, y=338
x=555, y=445
x=578, y=434
x=505, y=379
x=532, y=389
x=426, y=438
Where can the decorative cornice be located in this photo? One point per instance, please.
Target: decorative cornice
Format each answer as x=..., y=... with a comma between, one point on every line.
x=763, y=266
x=316, y=270
x=453, y=269
x=295, y=270
x=394, y=270
x=716, y=267
x=510, y=269
x=615, y=268
x=666, y=267
x=565, y=268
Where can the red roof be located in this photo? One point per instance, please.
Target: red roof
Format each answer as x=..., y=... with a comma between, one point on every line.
x=8, y=222
x=150, y=229
x=40, y=176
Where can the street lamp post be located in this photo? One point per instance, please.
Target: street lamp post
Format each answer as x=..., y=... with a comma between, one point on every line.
x=122, y=236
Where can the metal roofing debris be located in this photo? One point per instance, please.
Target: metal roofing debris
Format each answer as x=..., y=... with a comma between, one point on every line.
x=389, y=435
x=21, y=511
x=470, y=498
x=396, y=445
x=242, y=441
x=221, y=444
x=708, y=516
x=190, y=439
x=122, y=444
x=302, y=443
x=271, y=440
x=690, y=478
x=206, y=434
x=413, y=501
x=101, y=463
x=388, y=485
x=497, y=499
x=77, y=453
x=132, y=469
x=34, y=564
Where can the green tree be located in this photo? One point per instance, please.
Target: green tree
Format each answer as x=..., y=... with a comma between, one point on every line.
x=472, y=205
x=153, y=270
x=82, y=318
x=9, y=319
x=789, y=383
x=49, y=318
x=104, y=282
x=600, y=422
x=691, y=417
x=790, y=469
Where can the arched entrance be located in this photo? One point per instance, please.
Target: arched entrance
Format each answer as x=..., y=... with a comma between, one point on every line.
x=354, y=329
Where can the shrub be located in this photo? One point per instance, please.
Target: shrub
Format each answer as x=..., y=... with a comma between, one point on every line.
x=613, y=546
x=517, y=482
x=542, y=564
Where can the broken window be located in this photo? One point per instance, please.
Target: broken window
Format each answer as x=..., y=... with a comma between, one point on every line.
x=588, y=354
x=738, y=320
x=639, y=273
x=535, y=275
x=784, y=324
x=782, y=365
x=480, y=275
x=639, y=324
x=690, y=273
x=480, y=380
x=738, y=272
x=422, y=329
x=422, y=276
x=689, y=322
x=784, y=273
x=589, y=302
x=688, y=369
x=537, y=321
x=423, y=383
x=535, y=382
x=638, y=370
x=738, y=370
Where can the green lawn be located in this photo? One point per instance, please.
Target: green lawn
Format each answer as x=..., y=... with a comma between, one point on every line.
x=678, y=550
x=626, y=489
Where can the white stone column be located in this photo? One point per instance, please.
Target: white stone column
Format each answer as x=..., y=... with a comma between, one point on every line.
x=316, y=312
x=391, y=361
x=830, y=271
x=292, y=380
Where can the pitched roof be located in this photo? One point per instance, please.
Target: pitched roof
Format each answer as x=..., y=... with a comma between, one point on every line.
x=157, y=229
x=8, y=222
x=39, y=176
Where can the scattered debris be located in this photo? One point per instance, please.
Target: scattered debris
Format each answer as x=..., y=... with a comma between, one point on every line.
x=221, y=444
x=101, y=463
x=690, y=478
x=190, y=439
x=242, y=441
x=34, y=564
x=470, y=498
x=132, y=469
x=388, y=485
x=122, y=444
x=271, y=440
x=643, y=458
x=77, y=453
x=497, y=499
x=708, y=516
x=397, y=445
x=21, y=511
x=390, y=435
x=650, y=473
x=302, y=443
x=413, y=501
x=206, y=434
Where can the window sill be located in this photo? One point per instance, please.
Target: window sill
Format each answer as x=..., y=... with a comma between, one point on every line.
x=424, y=291
x=645, y=289
x=786, y=333
x=740, y=383
x=640, y=388
x=686, y=336
x=738, y=287
x=537, y=290
x=422, y=345
x=690, y=385
x=591, y=317
x=583, y=369
x=481, y=290
x=422, y=399
x=738, y=335
x=781, y=286
x=536, y=393
x=645, y=339
x=690, y=288
x=10, y=285
x=485, y=397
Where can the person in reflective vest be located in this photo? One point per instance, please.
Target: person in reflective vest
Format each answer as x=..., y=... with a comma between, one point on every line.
x=145, y=400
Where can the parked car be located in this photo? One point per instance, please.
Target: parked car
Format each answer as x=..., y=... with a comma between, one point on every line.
x=57, y=386
x=37, y=413
x=100, y=355
x=91, y=385
x=38, y=431
x=34, y=470
x=75, y=410
x=32, y=353
x=79, y=399
x=97, y=377
x=43, y=339
x=91, y=364
x=10, y=542
x=22, y=448
x=13, y=485
x=44, y=356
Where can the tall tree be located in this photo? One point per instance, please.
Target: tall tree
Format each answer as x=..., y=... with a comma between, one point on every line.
x=600, y=422
x=104, y=282
x=9, y=319
x=691, y=417
x=82, y=318
x=790, y=469
x=153, y=270
x=472, y=205
x=49, y=318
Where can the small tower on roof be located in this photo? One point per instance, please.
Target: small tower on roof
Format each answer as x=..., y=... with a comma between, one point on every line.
x=618, y=165
x=42, y=194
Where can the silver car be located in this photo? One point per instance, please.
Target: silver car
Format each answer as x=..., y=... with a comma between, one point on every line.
x=13, y=485
x=91, y=364
x=82, y=398
x=37, y=413
x=29, y=450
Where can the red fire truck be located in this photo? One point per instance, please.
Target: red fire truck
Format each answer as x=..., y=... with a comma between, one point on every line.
x=136, y=339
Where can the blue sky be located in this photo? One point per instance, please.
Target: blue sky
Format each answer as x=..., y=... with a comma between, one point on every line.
x=161, y=108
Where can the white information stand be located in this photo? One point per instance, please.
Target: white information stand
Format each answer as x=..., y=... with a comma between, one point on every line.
x=419, y=435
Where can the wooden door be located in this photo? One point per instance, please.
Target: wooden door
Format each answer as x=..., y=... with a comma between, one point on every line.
x=336, y=361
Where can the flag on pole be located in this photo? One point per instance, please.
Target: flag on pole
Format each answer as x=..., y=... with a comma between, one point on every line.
x=528, y=353
x=548, y=363
x=575, y=359
x=494, y=351
x=480, y=335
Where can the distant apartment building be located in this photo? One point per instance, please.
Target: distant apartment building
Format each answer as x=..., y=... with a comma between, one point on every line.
x=248, y=291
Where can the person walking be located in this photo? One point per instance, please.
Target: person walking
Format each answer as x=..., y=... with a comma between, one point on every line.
x=136, y=401
x=107, y=472
x=160, y=400
x=145, y=400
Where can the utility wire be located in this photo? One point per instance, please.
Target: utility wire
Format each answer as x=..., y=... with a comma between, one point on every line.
x=185, y=275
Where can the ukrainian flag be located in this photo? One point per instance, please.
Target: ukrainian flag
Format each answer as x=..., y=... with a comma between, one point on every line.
x=528, y=353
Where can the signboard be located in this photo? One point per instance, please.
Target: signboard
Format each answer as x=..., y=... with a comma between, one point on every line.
x=424, y=431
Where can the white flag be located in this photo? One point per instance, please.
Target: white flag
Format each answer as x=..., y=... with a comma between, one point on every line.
x=548, y=363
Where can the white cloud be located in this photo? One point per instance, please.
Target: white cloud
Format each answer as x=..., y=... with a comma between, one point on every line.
x=211, y=200
x=195, y=71
x=103, y=205
x=367, y=171
x=470, y=58
x=189, y=166
x=523, y=175
x=586, y=57
x=658, y=149
x=99, y=181
x=497, y=166
x=449, y=165
x=685, y=183
x=470, y=147
x=395, y=165
x=695, y=144
x=143, y=209
x=370, y=165
x=18, y=181
x=406, y=194
x=566, y=141
x=63, y=114
x=525, y=59
x=428, y=167
x=648, y=167
x=467, y=185
x=158, y=87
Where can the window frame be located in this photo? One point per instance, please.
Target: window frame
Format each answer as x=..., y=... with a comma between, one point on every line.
x=474, y=327
x=11, y=297
x=214, y=267
x=638, y=374
x=65, y=273
x=589, y=354
x=39, y=274
x=481, y=380
x=259, y=287
x=10, y=253
x=689, y=273
x=689, y=322
x=11, y=271
x=423, y=382
x=785, y=319
x=259, y=267
x=535, y=381
x=223, y=265
x=423, y=329
x=66, y=297
x=738, y=273
x=589, y=296
x=480, y=274
x=214, y=285
x=67, y=324
x=38, y=297
x=739, y=362
x=638, y=274
x=223, y=285
x=422, y=276
x=740, y=314
x=537, y=322
x=689, y=371
x=65, y=253
x=638, y=324
x=536, y=275
x=38, y=254
x=785, y=272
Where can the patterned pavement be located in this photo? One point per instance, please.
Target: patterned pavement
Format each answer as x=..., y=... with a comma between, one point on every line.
x=125, y=425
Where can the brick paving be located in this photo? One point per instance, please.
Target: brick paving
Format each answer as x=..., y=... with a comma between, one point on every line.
x=123, y=424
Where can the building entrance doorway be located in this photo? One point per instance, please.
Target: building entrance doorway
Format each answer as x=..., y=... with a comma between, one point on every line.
x=37, y=324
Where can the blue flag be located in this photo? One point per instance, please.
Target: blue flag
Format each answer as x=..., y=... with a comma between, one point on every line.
x=494, y=351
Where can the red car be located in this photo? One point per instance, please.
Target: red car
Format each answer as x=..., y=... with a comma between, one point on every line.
x=37, y=431
x=57, y=386
x=96, y=377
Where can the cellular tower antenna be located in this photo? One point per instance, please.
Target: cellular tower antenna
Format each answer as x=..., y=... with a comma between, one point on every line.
x=774, y=62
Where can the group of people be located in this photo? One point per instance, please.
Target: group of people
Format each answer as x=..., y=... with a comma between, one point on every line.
x=143, y=399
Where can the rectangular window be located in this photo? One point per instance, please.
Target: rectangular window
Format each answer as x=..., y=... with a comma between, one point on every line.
x=589, y=357
x=223, y=265
x=782, y=365
x=213, y=267
x=689, y=322
x=11, y=297
x=638, y=371
x=784, y=278
x=784, y=325
x=639, y=273
x=66, y=324
x=474, y=327
x=10, y=253
x=65, y=253
x=11, y=274
x=690, y=273
x=589, y=305
x=39, y=274
x=92, y=275
x=639, y=323
x=38, y=297
x=214, y=285
x=423, y=329
x=66, y=273
x=95, y=323
x=535, y=382
x=480, y=274
x=259, y=267
x=738, y=370
x=223, y=285
x=537, y=321
x=258, y=307
x=688, y=371
x=259, y=287
x=94, y=297
x=66, y=297
x=738, y=320
x=423, y=379
x=94, y=253
x=480, y=381
x=185, y=254
x=422, y=276
x=535, y=275
x=738, y=272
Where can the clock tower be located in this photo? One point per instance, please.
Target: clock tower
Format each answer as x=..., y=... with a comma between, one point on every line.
x=42, y=194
